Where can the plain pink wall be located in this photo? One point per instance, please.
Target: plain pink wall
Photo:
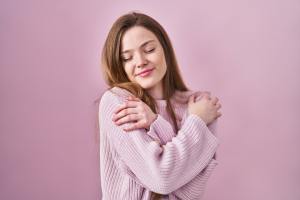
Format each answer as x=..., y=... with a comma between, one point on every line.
x=244, y=52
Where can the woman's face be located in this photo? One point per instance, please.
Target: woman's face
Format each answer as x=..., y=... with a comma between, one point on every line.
x=142, y=51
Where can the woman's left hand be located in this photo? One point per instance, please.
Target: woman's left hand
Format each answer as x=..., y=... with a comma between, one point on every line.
x=134, y=110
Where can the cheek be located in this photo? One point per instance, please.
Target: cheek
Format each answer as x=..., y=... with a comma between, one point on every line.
x=161, y=62
x=160, y=58
x=129, y=72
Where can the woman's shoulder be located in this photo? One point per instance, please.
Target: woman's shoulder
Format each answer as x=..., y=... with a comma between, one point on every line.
x=114, y=94
x=120, y=92
x=182, y=97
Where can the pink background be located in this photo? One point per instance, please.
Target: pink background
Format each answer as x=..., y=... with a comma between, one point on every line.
x=247, y=53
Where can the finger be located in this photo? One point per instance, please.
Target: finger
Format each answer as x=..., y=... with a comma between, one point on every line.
x=191, y=99
x=124, y=112
x=207, y=93
x=127, y=118
x=215, y=100
x=206, y=96
x=134, y=126
x=183, y=96
x=200, y=94
x=129, y=104
x=218, y=106
x=219, y=114
x=120, y=107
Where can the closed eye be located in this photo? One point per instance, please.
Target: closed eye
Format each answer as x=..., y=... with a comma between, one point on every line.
x=150, y=50
x=126, y=59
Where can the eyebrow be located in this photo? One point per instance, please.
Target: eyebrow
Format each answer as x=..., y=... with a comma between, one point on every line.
x=140, y=46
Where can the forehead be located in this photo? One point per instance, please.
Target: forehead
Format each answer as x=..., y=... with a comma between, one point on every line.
x=135, y=37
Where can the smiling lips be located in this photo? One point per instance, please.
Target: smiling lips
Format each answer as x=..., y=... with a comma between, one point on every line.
x=145, y=72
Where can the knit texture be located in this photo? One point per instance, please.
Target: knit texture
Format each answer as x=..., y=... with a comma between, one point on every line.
x=134, y=163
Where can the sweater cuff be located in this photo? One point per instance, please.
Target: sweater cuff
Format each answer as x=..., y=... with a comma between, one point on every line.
x=158, y=124
x=162, y=128
x=197, y=118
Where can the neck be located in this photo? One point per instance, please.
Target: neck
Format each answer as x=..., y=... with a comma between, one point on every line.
x=156, y=91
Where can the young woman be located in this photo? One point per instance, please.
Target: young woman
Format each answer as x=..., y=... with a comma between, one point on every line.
x=155, y=139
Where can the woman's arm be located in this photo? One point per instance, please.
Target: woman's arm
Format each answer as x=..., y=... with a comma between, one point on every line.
x=195, y=188
x=158, y=167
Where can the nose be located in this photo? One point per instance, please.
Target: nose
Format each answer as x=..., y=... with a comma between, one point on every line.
x=140, y=60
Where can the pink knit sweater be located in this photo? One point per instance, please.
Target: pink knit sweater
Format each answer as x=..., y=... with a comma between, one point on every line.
x=132, y=164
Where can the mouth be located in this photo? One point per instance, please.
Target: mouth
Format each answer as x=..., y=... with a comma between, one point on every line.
x=145, y=72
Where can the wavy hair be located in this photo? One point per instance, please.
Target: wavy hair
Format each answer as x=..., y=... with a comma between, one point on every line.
x=115, y=75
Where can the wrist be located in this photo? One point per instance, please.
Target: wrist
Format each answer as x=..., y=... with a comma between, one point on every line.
x=153, y=119
x=202, y=118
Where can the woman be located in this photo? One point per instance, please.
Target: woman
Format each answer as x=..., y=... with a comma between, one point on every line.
x=154, y=137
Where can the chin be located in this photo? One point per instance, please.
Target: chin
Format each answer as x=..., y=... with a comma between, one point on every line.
x=147, y=84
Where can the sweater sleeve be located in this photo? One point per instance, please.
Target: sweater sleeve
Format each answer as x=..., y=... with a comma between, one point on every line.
x=194, y=189
x=158, y=166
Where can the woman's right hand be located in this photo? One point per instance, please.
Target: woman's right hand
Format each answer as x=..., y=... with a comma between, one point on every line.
x=206, y=108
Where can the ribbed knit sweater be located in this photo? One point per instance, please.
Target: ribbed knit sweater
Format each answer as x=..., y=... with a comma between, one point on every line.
x=136, y=163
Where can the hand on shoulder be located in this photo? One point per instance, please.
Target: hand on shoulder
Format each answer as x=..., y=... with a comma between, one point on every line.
x=182, y=97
